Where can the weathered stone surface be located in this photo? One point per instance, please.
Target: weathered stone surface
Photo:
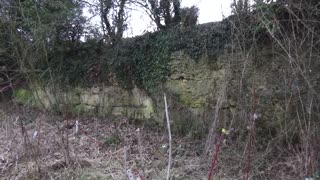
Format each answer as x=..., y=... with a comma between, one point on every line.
x=95, y=90
x=193, y=82
x=23, y=96
x=115, y=96
x=90, y=99
x=84, y=108
x=192, y=85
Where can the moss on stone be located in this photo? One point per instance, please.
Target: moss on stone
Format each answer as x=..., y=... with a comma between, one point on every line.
x=23, y=96
x=84, y=109
x=148, y=109
x=187, y=100
x=193, y=82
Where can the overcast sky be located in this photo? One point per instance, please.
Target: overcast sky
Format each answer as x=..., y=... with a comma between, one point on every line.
x=209, y=11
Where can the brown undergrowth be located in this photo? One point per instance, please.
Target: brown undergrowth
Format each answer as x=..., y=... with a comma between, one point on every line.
x=95, y=151
x=49, y=147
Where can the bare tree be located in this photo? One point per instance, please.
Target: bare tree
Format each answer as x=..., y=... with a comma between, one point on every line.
x=114, y=18
x=241, y=6
x=189, y=16
x=164, y=13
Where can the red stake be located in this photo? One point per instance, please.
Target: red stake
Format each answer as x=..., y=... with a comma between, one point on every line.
x=215, y=159
x=254, y=107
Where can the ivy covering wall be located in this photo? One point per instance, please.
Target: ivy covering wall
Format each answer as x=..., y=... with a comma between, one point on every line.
x=141, y=61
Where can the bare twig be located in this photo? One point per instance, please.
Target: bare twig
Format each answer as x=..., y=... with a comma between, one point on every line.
x=220, y=100
x=125, y=157
x=251, y=135
x=140, y=148
x=169, y=133
x=65, y=146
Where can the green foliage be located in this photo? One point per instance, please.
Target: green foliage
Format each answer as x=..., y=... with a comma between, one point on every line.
x=144, y=60
x=46, y=42
x=141, y=61
x=72, y=63
x=23, y=96
x=189, y=16
x=31, y=31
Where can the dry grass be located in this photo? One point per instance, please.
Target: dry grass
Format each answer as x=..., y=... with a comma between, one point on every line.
x=95, y=152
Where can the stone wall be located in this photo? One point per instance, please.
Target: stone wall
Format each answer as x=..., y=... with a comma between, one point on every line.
x=190, y=89
x=110, y=100
x=194, y=89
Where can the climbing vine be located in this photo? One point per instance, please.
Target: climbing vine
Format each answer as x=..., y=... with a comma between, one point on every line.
x=142, y=60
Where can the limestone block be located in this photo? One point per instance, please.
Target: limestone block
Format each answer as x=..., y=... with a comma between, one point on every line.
x=148, y=110
x=84, y=108
x=95, y=90
x=44, y=98
x=193, y=82
x=115, y=96
x=90, y=99
x=72, y=98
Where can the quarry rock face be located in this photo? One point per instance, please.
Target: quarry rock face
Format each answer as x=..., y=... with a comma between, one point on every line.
x=194, y=89
x=194, y=82
x=191, y=87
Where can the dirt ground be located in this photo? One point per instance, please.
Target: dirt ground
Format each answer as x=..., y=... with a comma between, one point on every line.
x=35, y=145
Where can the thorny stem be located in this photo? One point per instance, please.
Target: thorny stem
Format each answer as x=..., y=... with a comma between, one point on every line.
x=215, y=159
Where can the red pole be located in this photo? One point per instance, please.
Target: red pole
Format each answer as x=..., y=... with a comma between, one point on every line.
x=215, y=159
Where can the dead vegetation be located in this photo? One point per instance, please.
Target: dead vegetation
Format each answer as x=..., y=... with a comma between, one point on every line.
x=38, y=145
x=282, y=91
